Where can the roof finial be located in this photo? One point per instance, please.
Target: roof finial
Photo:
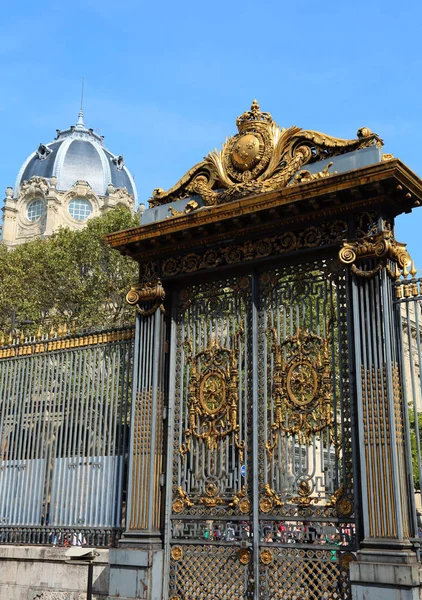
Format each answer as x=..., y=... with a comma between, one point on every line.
x=81, y=112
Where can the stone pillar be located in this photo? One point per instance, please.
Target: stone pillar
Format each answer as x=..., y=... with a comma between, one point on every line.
x=51, y=217
x=9, y=218
x=386, y=566
x=136, y=566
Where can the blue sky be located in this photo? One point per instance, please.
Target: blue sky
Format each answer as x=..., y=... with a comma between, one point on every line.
x=164, y=82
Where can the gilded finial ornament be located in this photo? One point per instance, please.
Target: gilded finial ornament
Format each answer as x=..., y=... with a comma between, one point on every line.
x=260, y=157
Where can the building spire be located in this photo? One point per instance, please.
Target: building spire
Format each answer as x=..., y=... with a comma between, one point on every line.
x=81, y=112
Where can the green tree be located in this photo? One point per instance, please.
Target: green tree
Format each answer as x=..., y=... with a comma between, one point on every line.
x=70, y=278
x=413, y=443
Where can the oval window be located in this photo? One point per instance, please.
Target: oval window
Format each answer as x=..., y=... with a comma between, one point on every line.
x=35, y=210
x=80, y=209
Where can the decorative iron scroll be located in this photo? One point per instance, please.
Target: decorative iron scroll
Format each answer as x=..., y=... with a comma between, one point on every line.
x=260, y=157
x=147, y=292
x=381, y=246
x=289, y=241
x=302, y=386
x=213, y=399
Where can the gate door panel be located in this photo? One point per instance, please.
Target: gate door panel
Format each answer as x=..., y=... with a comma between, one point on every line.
x=210, y=554
x=293, y=536
x=307, y=528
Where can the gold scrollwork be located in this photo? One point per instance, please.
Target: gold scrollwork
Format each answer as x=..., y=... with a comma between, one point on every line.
x=260, y=157
x=176, y=553
x=245, y=556
x=190, y=207
x=266, y=557
x=290, y=241
x=213, y=396
x=302, y=386
x=269, y=500
x=380, y=246
x=182, y=502
x=147, y=292
x=334, y=498
x=306, y=176
x=343, y=505
x=212, y=498
x=237, y=498
x=304, y=499
x=265, y=504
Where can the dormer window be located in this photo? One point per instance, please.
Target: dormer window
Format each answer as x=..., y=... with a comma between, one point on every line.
x=119, y=162
x=43, y=151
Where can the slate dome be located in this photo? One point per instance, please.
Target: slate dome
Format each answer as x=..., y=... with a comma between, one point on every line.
x=77, y=154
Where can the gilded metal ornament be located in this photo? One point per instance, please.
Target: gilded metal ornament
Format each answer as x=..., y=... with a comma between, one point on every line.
x=182, y=502
x=334, y=498
x=147, y=292
x=265, y=505
x=212, y=498
x=178, y=505
x=237, y=499
x=304, y=498
x=302, y=386
x=266, y=557
x=272, y=496
x=245, y=556
x=213, y=396
x=380, y=246
x=245, y=506
x=289, y=241
x=260, y=157
x=306, y=176
x=176, y=553
x=346, y=558
x=344, y=507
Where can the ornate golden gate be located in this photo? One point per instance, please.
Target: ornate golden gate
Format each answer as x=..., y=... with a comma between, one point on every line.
x=262, y=480
x=266, y=342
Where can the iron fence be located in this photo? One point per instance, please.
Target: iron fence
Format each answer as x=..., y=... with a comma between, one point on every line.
x=64, y=417
x=408, y=306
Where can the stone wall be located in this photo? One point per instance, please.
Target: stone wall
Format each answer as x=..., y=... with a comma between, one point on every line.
x=40, y=572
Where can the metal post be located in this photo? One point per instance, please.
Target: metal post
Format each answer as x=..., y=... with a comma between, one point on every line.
x=90, y=577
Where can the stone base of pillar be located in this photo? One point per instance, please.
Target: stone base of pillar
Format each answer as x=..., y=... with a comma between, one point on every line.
x=136, y=573
x=386, y=575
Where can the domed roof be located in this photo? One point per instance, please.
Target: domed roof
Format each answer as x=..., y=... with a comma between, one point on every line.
x=76, y=154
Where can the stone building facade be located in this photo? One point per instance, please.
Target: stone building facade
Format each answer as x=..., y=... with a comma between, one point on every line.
x=63, y=184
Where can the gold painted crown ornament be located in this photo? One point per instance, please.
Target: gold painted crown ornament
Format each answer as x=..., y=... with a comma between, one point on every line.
x=260, y=157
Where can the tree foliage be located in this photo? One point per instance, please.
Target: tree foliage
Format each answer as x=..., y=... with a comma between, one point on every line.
x=414, y=443
x=70, y=278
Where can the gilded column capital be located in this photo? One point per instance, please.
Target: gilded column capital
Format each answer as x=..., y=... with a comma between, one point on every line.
x=381, y=246
x=147, y=297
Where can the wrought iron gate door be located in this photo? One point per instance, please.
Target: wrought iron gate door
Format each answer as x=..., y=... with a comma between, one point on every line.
x=262, y=502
